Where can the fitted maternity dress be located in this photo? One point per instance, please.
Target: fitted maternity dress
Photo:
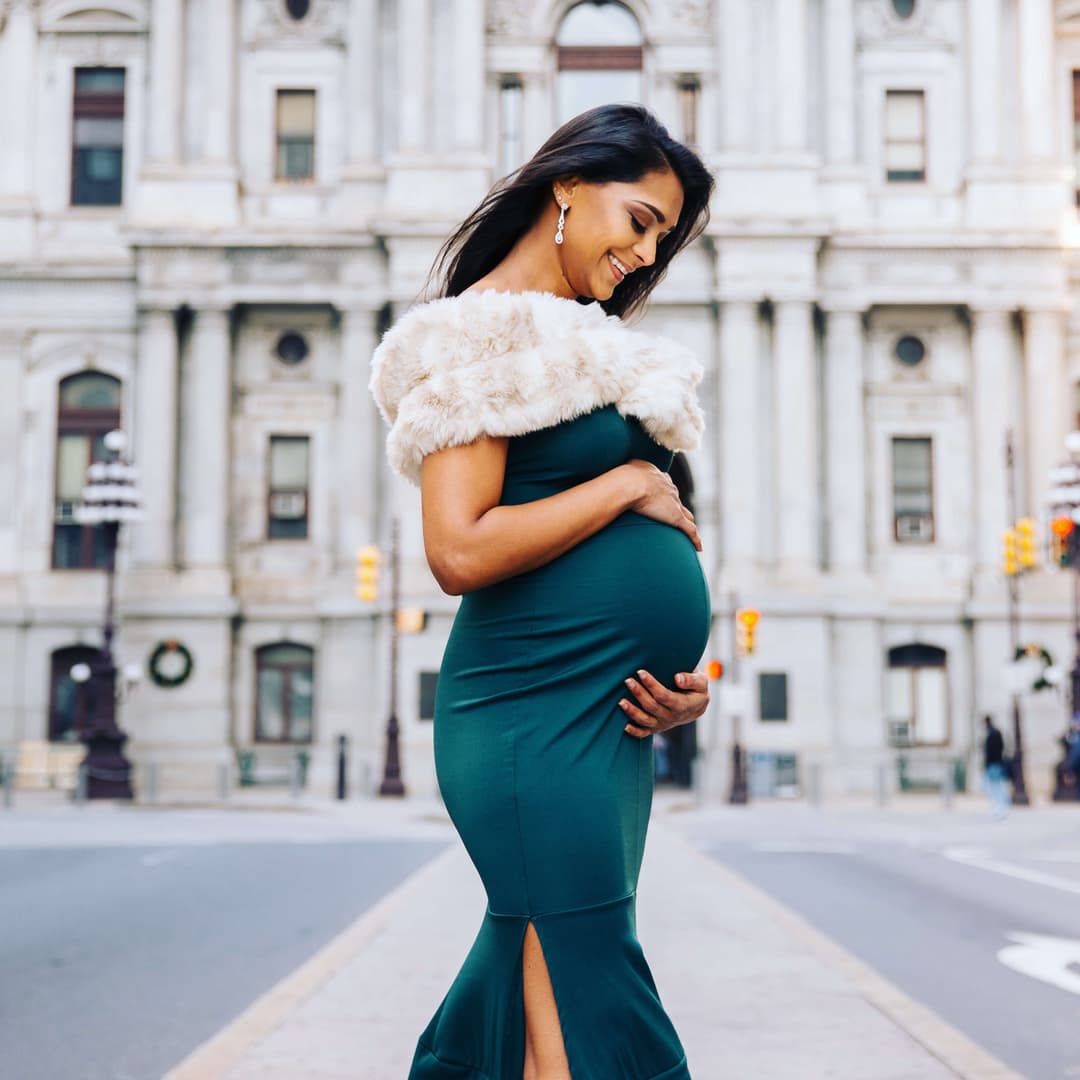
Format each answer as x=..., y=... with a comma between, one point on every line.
x=550, y=795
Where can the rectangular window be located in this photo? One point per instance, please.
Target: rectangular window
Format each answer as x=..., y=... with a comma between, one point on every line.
x=510, y=134
x=905, y=135
x=295, y=135
x=287, y=512
x=913, y=490
x=97, y=164
x=689, y=92
x=916, y=706
x=772, y=696
x=429, y=681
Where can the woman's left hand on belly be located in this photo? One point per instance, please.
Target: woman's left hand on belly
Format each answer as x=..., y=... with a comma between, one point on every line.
x=658, y=708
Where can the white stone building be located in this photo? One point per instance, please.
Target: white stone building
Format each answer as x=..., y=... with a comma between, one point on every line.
x=210, y=208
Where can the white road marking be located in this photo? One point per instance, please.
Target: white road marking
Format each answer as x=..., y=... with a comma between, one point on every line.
x=1047, y=959
x=795, y=847
x=980, y=858
x=156, y=858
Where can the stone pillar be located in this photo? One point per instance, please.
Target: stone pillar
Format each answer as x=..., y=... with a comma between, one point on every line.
x=469, y=74
x=206, y=393
x=221, y=81
x=1047, y=401
x=736, y=74
x=984, y=78
x=839, y=82
x=789, y=88
x=414, y=75
x=156, y=407
x=166, y=64
x=795, y=424
x=18, y=56
x=362, y=81
x=359, y=442
x=11, y=455
x=738, y=410
x=845, y=442
x=1037, y=72
x=992, y=382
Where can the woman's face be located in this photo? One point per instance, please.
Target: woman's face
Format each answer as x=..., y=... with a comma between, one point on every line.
x=613, y=229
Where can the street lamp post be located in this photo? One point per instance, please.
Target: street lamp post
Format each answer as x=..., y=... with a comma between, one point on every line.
x=392, y=784
x=1019, y=786
x=109, y=499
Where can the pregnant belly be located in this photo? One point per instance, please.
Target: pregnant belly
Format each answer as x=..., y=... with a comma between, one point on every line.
x=631, y=596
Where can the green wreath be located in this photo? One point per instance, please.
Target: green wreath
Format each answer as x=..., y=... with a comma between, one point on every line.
x=170, y=648
x=1043, y=654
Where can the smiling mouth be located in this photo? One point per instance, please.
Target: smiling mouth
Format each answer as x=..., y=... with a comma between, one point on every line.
x=617, y=267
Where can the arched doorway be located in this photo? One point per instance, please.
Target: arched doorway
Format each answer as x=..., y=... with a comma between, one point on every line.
x=66, y=704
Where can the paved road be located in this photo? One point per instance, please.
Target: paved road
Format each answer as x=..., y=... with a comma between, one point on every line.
x=979, y=922
x=118, y=961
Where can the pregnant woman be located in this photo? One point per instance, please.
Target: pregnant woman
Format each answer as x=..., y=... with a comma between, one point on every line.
x=540, y=429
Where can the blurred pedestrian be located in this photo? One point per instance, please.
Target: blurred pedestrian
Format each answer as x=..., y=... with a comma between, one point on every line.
x=1072, y=750
x=995, y=774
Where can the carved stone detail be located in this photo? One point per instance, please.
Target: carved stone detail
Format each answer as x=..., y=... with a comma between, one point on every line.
x=268, y=22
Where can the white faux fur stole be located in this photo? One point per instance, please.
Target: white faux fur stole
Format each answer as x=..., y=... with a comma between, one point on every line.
x=493, y=363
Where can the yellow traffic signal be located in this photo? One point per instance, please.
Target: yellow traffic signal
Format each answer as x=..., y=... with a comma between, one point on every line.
x=1009, y=563
x=1025, y=542
x=367, y=573
x=746, y=620
x=1062, y=541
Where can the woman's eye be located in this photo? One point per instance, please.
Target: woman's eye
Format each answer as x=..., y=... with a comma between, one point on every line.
x=638, y=227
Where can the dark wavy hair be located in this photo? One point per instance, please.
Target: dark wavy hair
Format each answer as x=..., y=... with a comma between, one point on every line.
x=612, y=143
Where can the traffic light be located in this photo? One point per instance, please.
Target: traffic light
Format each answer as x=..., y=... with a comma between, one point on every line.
x=1009, y=562
x=714, y=669
x=1025, y=543
x=746, y=620
x=1063, y=542
x=367, y=573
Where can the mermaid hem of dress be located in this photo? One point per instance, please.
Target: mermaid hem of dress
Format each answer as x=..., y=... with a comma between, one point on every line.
x=613, y=1024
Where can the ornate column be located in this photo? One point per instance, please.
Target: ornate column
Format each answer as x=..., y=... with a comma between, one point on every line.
x=221, y=81
x=738, y=410
x=362, y=81
x=414, y=75
x=984, y=73
x=1047, y=400
x=156, y=407
x=795, y=397
x=839, y=81
x=11, y=374
x=204, y=479
x=18, y=56
x=469, y=74
x=991, y=380
x=1037, y=107
x=846, y=442
x=736, y=74
x=789, y=87
x=166, y=63
x=359, y=436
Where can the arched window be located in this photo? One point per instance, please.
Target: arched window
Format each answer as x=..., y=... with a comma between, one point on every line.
x=599, y=52
x=284, y=684
x=66, y=704
x=89, y=407
x=916, y=696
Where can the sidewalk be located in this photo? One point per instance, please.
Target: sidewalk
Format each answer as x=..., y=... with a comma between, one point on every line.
x=753, y=990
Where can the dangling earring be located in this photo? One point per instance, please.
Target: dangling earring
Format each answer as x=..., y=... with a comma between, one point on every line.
x=562, y=221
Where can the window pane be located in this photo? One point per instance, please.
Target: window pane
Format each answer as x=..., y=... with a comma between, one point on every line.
x=599, y=24
x=90, y=391
x=905, y=157
x=99, y=131
x=301, y=690
x=67, y=543
x=99, y=80
x=904, y=115
x=296, y=160
x=912, y=476
x=931, y=717
x=898, y=699
x=581, y=90
x=296, y=112
x=510, y=122
x=289, y=463
x=270, y=720
x=772, y=695
x=285, y=653
x=72, y=461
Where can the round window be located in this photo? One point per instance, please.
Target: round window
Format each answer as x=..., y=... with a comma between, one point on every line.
x=910, y=351
x=297, y=8
x=904, y=8
x=292, y=348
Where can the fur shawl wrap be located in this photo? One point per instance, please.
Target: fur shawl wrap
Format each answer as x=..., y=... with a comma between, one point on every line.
x=493, y=363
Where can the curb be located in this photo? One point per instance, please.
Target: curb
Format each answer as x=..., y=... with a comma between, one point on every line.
x=954, y=1049
x=222, y=1051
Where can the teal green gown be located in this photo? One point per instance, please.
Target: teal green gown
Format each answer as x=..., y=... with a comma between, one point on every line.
x=550, y=795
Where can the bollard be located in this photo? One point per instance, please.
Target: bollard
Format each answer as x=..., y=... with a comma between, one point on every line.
x=151, y=784
x=947, y=789
x=295, y=769
x=224, y=781
x=342, y=767
x=882, y=785
x=81, y=783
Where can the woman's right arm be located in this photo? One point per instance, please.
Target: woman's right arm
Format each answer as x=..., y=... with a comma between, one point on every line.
x=471, y=541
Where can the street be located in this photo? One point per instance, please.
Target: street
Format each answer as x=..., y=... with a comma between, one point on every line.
x=979, y=921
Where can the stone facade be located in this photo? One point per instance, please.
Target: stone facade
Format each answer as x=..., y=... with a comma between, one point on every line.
x=814, y=266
